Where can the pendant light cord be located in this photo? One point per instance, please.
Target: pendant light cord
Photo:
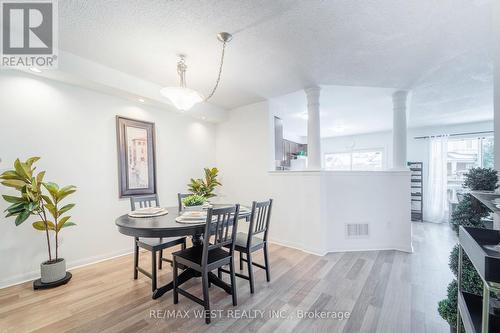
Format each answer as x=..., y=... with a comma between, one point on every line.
x=181, y=70
x=220, y=72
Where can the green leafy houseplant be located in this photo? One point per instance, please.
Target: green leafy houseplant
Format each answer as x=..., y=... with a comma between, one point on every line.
x=481, y=179
x=469, y=212
x=205, y=187
x=447, y=307
x=193, y=200
x=37, y=198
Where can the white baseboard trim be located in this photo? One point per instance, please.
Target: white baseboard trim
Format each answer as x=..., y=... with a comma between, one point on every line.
x=322, y=252
x=400, y=249
x=30, y=276
x=292, y=245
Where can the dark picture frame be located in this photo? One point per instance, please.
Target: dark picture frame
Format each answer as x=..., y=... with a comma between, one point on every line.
x=136, y=157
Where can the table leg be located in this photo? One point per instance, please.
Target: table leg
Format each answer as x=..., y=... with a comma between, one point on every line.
x=197, y=240
x=183, y=277
x=218, y=282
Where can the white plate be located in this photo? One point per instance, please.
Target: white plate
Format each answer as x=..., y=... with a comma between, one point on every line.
x=181, y=220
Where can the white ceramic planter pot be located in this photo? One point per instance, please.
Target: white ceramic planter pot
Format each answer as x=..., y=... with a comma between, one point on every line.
x=193, y=208
x=53, y=271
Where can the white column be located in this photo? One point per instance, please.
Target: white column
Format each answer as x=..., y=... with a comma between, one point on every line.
x=399, y=128
x=313, y=129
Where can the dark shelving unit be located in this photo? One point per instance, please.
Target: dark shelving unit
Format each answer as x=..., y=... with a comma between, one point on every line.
x=475, y=311
x=417, y=190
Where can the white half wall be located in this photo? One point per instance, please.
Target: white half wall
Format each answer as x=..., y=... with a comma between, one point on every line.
x=73, y=130
x=380, y=199
x=311, y=208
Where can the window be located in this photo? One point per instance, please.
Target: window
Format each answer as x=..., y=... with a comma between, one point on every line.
x=464, y=154
x=467, y=153
x=360, y=160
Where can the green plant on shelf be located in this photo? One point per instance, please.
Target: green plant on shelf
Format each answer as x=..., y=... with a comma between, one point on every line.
x=193, y=200
x=470, y=212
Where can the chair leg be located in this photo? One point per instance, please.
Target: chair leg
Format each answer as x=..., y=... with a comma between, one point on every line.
x=153, y=270
x=160, y=261
x=266, y=261
x=250, y=271
x=219, y=273
x=183, y=247
x=174, y=282
x=241, y=261
x=136, y=258
x=206, y=300
x=233, y=282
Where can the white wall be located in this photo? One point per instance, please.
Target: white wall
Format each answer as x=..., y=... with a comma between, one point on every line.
x=360, y=142
x=496, y=83
x=244, y=154
x=73, y=130
x=496, y=87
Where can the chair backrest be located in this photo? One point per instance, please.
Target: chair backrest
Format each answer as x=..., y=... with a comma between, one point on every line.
x=181, y=196
x=219, y=221
x=259, y=219
x=144, y=201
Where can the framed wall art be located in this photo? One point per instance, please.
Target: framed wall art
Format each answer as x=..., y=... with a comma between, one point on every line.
x=136, y=157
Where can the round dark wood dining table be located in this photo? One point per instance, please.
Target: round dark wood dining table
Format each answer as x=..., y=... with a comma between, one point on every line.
x=165, y=226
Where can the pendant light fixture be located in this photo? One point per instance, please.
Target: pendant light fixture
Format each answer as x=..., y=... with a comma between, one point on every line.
x=184, y=98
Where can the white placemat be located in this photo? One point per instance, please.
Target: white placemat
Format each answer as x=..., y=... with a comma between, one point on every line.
x=179, y=219
x=244, y=209
x=148, y=212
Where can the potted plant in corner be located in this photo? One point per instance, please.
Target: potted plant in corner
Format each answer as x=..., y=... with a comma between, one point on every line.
x=43, y=200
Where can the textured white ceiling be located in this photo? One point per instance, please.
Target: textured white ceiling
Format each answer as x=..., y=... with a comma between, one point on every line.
x=438, y=48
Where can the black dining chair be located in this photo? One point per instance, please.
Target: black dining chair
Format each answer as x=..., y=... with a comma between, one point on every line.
x=181, y=196
x=249, y=243
x=215, y=252
x=153, y=245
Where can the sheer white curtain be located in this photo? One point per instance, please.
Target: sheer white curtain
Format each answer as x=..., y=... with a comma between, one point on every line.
x=436, y=187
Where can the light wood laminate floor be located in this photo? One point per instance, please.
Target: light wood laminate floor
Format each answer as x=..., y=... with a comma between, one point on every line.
x=384, y=291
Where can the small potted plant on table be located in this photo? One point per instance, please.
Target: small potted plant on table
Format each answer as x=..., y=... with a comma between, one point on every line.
x=43, y=200
x=194, y=202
